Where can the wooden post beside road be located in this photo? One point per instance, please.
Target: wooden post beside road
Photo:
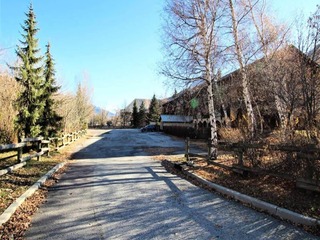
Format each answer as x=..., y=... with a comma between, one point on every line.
x=187, y=148
x=39, y=150
x=19, y=154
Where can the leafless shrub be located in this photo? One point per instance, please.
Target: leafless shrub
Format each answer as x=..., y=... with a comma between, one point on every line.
x=9, y=89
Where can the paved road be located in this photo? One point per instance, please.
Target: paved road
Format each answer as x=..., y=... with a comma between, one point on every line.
x=114, y=190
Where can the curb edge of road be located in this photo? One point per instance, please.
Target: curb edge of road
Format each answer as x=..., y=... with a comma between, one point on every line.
x=6, y=215
x=269, y=208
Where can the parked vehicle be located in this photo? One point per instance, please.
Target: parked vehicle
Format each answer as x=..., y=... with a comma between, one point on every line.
x=148, y=128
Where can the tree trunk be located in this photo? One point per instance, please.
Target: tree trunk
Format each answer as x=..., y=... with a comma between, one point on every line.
x=226, y=118
x=284, y=121
x=213, y=142
x=261, y=120
x=248, y=103
x=243, y=74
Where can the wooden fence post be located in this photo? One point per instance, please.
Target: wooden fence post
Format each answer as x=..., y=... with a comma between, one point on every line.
x=187, y=148
x=47, y=148
x=19, y=154
x=39, y=150
x=56, y=142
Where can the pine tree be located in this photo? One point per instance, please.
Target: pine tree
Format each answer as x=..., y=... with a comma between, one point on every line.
x=142, y=115
x=154, y=110
x=135, y=115
x=29, y=75
x=50, y=121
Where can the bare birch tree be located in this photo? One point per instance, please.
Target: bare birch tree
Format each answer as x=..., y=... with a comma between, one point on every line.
x=66, y=108
x=271, y=36
x=218, y=91
x=75, y=108
x=191, y=32
x=241, y=40
x=255, y=36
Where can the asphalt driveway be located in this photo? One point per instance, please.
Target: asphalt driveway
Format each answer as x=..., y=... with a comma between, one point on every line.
x=114, y=190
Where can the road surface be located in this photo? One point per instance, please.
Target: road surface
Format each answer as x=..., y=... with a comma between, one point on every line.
x=114, y=190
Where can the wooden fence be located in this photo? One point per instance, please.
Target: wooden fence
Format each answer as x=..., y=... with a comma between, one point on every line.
x=39, y=146
x=298, y=163
x=66, y=139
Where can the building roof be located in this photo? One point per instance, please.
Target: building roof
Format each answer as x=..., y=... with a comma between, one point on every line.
x=175, y=118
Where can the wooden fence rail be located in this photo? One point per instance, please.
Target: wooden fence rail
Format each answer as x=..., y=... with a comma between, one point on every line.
x=66, y=139
x=41, y=146
x=250, y=158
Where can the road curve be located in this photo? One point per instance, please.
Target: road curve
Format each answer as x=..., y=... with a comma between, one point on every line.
x=114, y=190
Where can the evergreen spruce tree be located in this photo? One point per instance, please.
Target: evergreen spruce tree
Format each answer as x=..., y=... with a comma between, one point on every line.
x=142, y=115
x=50, y=121
x=30, y=75
x=154, y=110
x=135, y=115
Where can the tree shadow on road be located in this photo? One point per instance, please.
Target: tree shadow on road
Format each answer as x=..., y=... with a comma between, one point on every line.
x=129, y=142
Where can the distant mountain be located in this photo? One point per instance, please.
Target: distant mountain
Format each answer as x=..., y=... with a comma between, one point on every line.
x=98, y=110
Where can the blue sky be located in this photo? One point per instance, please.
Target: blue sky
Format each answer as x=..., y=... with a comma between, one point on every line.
x=116, y=44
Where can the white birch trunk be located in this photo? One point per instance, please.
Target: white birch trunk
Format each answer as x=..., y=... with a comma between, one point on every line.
x=243, y=74
x=263, y=38
x=207, y=40
x=248, y=103
x=192, y=35
x=226, y=118
x=213, y=142
x=281, y=111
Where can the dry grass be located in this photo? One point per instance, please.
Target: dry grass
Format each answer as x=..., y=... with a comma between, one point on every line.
x=230, y=134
